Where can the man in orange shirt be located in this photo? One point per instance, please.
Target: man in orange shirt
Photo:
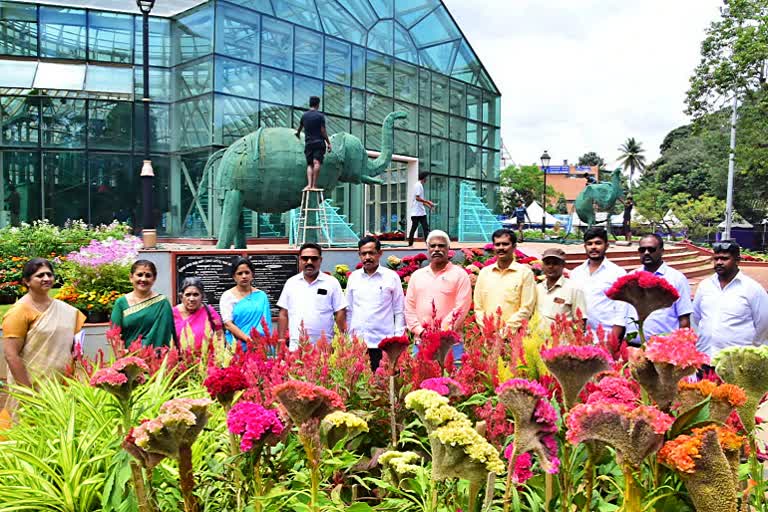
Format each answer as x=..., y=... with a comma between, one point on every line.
x=440, y=285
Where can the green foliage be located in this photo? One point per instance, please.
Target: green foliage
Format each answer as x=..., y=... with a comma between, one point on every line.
x=526, y=182
x=43, y=238
x=632, y=157
x=100, y=279
x=652, y=203
x=699, y=215
x=592, y=159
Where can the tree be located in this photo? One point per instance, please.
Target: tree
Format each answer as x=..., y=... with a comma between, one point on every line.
x=632, y=157
x=561, y=206
x=525, y=182
x=592, y=159
x=700, y=216
x=652, y=203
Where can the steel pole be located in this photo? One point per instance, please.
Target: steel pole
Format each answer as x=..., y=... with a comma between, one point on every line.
x=149, y=234
x=731, y=166
x=544, y=204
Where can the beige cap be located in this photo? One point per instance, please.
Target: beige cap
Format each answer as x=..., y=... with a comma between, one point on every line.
x=554, y=253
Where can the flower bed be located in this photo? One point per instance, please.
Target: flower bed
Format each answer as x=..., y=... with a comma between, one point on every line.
x=540, y=421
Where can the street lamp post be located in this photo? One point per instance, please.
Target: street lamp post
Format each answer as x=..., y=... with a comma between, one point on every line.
x=545, y=159
x=148, y=231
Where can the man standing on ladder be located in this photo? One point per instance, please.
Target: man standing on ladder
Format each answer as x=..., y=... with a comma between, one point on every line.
x=315, y=140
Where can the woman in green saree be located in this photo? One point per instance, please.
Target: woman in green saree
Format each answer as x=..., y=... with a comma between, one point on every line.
x=143, y=312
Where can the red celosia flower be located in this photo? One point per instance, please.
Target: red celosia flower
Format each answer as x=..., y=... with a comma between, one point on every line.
x=254, y=423
x=437, y=344
x=122, y=377
x=678, y=349
x=647, y=292
x=223, y=383
x=394, y=346
x=303, y=400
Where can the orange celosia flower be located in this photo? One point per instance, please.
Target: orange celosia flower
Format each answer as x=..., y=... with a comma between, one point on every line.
x=731, y=393
x=729, y=439
x=705, y=387
x=680, y=453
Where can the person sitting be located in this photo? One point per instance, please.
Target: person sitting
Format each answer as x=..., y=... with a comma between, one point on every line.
x=144, y=313
x=244, y=307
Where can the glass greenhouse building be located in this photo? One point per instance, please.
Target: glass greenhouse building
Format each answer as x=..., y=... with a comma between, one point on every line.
x=71, y=143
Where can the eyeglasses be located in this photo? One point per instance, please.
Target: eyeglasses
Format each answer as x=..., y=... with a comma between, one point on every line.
x=726, y=246
x=649, y=250
x=306, y=259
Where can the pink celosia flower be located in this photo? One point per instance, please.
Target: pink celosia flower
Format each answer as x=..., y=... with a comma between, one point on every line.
x=180, y=422
x=522, y=471
x=108, y=377
x=254, y=423
x=303, y=400
x=443, y=385
x=529, y=386
x=573, y=366
x=634, y=431
x=647, y=292
x=615, y=390
x=122, y=377
x=678, y=349
x=223, y=383
x=125, y=362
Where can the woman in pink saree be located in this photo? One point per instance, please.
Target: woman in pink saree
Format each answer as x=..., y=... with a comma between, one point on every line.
x=198, y=325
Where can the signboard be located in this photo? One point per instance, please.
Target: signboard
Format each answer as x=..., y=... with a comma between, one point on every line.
x=558, y=169
x=215, y=270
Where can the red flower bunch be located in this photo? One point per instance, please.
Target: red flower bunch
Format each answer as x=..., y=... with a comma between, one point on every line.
x=641, y=279
x=582, y=353
x=394, y=346
x=678, y=349
x=497, y=426
x=645, y=291
x=437, y=345
x=304, y=401
x=223, y=383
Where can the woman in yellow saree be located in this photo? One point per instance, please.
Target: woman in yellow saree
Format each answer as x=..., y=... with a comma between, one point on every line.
x=143, y=312
x=39, y=331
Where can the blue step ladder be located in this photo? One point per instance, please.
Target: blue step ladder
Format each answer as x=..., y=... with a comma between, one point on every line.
x=476, y=221
x=335, y=231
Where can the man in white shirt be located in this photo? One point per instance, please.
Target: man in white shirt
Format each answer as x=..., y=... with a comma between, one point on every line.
x=678, y=315
x=310, y=301
x=418, y=213
x=595, y=276
x=730, y=308
x=375, y=300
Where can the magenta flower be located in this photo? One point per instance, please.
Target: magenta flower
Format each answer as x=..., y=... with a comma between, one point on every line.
x=303, y=400
x=573, y=366
x=254, y=423
x=634, y=431
x=535, y=420
x=615, y=390
x=647, y=292
x=444, y=385
x=522, y=470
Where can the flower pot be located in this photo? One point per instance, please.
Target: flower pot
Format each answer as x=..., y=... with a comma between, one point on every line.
x=96, y=317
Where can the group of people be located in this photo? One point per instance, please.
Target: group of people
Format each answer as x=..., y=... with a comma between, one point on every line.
x=729, y=308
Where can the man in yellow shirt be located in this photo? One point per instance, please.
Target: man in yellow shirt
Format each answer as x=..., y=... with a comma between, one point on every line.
x=505, y=285
x=557, y=295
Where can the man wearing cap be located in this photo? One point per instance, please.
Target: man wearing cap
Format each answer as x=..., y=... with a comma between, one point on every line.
x=730, y=308
x=505, y=285
x=557, y=295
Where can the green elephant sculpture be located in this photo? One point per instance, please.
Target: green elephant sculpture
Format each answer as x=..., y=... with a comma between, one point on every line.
x=266, y=171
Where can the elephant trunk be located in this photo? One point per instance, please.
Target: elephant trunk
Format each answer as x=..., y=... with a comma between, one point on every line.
x=380, y=164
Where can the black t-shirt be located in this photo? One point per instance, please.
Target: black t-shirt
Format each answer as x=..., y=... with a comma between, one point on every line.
x=628, y=211
x=313, y=122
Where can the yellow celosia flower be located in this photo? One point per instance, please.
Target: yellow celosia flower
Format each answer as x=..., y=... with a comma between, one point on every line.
x=341, y=418
x=461, y=434
x=400, y=462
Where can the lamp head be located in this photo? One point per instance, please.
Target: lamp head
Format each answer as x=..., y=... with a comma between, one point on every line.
x=145, y=6
x=545, y=159
x=147, y=170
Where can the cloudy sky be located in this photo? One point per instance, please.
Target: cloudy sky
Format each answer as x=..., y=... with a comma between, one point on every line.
x=583, y=75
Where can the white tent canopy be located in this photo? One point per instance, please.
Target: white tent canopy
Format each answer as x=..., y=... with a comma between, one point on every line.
x=671, y=219
x=534, y=213
x=737, y=222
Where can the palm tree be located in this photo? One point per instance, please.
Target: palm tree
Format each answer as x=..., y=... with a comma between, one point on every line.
x=632, y=157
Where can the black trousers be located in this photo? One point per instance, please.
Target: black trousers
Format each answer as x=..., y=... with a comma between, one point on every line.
x=375, y=355
x=415, y=221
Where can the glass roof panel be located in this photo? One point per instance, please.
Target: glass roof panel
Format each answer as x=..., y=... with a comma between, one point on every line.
x=436, y=28
x=51, y=75
x=404, y=47
x=162, y=8
x=409, y=12
x=380, y=37
x=301, y=12
x=440, y=57
x=361, y=10
x=109, y=79
x=17, y=73
x=264, y=6
x=337, y=22
x=384, y=8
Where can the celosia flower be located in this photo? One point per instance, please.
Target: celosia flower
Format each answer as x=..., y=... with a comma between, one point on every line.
x=573, y=366
x=615, y=390
x=522, y=470
x=393, y=347
x=678, y=349
x=432, y=408
x=444, y=385
x=254, y=423
x=122, y=377
x=303, y=400
x=435, y=345
x=659, y=376
x=459, y=451
x=634, y=431
x=645, y=291
x=723, y=397
x=179, y=423
x=747, y=368
x=147, y=459
x=393, y=261
x=535, y=420
x=400, y=463
x=707, y=462
x=223, y=383
x=341, y=425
